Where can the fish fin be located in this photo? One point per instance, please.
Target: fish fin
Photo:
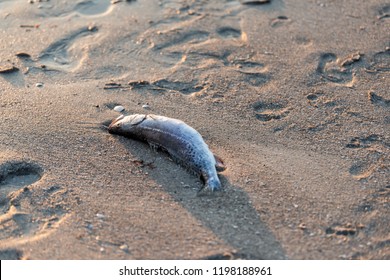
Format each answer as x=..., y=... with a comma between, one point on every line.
x=210, y=187
x=219, y=164
x=137, y=119
x=154, y=117
x=211, y=183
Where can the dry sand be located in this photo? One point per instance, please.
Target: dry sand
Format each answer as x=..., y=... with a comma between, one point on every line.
x=293, y=95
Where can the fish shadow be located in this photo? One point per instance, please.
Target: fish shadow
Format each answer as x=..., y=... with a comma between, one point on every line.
x=229, y=213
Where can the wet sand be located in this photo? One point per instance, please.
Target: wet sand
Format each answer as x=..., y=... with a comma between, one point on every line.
x=293, y=95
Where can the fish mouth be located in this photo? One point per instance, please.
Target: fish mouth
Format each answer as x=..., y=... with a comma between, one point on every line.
x=111, y=126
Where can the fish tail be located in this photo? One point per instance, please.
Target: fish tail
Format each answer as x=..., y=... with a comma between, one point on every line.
x=213, y=184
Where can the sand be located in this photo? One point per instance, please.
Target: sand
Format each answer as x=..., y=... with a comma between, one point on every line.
x=293, y=95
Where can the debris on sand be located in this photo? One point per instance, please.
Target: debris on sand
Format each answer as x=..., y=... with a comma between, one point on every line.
x=352, y=58
x=255, y=2
x=5, y=69
x=138, y=84
x=22, y=55
x=112, y=85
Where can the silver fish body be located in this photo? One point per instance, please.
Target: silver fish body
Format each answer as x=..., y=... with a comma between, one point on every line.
x=182, y=142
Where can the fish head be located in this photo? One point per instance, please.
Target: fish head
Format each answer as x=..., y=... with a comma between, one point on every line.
x=125, y=124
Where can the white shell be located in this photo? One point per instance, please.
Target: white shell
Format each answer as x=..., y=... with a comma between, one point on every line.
x=119, y=108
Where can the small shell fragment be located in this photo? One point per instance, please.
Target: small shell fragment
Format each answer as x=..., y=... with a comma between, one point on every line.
x=39, y=84
x=146, y=107
x=119, y=108
x=302, y=226
x=124, y=248
x=8, y=69
x=100, y=216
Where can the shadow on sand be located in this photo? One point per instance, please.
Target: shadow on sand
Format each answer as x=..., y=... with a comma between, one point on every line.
x=229, y=214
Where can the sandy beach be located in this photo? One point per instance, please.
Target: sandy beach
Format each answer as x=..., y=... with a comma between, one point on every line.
x=293, y=95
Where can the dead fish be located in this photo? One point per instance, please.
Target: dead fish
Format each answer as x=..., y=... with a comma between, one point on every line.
x=182, y=142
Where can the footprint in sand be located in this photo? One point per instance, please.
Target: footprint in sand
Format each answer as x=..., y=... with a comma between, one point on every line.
x=254, y=79
x=85, y=8
x=170, y=47
x=192, y=36
x=318, y=99
x=314, y=98
x=14, y=176
x=361, y=170
x=367, y=142
x=338, y=70
x=163, y=85
x=378, y=100
x=173, y=38
x=267, y=111
x=331, y=71
x=375, y=144
x=68, y=53
x=177, y=48
x=252, y=72
x=380, y=62
x=91, y=8
x=182, y=87
x=364, y=169
x=229, y=32
x=20, y=218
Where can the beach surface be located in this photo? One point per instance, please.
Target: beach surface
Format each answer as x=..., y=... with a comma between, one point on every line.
x=293, y=95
